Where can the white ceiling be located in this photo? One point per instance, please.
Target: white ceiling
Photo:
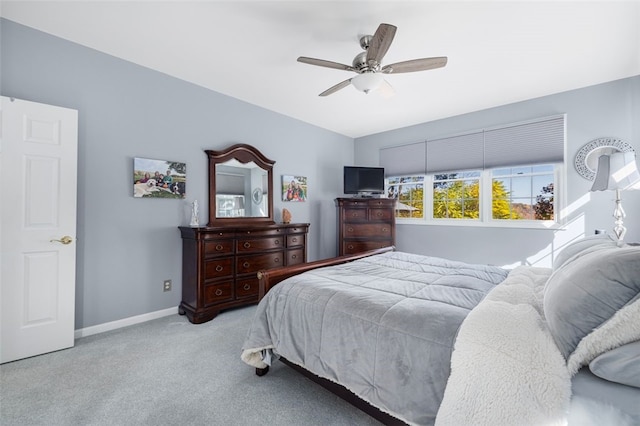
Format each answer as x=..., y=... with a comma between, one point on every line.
x=499, y=52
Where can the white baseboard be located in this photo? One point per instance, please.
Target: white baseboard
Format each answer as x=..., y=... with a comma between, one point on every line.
x=114, y=325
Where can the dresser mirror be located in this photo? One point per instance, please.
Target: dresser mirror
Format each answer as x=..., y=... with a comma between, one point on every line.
x=240, y=186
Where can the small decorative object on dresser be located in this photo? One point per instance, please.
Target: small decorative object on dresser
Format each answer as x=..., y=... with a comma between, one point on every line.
x=286, y=216
x=365, y=224
x=194, y=214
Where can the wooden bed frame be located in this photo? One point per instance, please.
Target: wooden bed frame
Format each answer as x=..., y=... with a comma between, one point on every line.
x=269, y=278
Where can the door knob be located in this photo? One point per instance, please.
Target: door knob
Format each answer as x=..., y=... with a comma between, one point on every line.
x=64, y=240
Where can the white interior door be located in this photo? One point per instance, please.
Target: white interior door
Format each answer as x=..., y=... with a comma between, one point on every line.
x=38, y=180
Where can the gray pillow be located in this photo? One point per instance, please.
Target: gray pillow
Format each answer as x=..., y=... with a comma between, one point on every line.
x=584, y=293
x=620, y=365
x=571, y=250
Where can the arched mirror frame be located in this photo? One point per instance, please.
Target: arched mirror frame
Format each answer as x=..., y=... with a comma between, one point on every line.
x=245, y=154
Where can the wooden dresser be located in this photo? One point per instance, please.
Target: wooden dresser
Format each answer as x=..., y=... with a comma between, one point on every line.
x=365, y=224
x=219, y=264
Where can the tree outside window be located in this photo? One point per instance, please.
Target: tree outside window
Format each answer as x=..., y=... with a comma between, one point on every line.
x=528, y=193
x=456, y=195
x=409, y=193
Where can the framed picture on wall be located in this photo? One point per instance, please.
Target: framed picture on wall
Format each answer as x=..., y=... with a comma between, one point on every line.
x=294, y=188
x=159, y=178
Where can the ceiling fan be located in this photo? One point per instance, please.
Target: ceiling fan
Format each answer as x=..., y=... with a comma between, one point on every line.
x=368, y=64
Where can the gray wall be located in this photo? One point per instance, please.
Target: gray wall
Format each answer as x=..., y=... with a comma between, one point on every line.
x=127, y=247
x=605, y=110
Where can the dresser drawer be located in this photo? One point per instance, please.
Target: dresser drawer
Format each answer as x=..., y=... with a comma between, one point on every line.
x=355, y=203
x=295, y=240
x=259, y=244
x=295, y=257
x=355, y=215
x=364, y=230
x=218, y=268
x=248, y=264
x=382, y=203
x=247, y=287
x=215, y=235
x=218, y=293
x=352, y=247
x=250, y=233
x=381, y=215
x=215, y=248
x=298, y=230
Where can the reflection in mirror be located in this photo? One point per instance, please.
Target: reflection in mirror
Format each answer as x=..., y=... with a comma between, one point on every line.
x=241, y=190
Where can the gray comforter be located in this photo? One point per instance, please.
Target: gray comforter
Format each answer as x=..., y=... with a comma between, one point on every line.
x=383, y=326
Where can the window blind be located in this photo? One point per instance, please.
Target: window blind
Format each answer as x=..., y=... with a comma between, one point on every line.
x=404, y=159
x=464, y=152
x=532, y=142
x=529, y=143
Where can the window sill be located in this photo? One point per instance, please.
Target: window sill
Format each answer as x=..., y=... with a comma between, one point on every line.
x=546, y=225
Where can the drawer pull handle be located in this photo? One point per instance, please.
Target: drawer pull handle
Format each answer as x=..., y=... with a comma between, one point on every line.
x=246, y=264
x=276, y=242
x=350, y=247
x=218, y=292
x=276, y=260
x=294, y=256
x=294, y=240
x=354, y=214
x=379, y=214
x=219, y=247
x=350, y=229
x=219, y=268
x=247, y=286
x=384, y=229
x=247, y=245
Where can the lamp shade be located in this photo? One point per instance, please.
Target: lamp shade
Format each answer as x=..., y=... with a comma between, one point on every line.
x=367, y=81
x=617, y=171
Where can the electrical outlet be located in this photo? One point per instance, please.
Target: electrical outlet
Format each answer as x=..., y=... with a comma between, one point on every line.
x=166, y=285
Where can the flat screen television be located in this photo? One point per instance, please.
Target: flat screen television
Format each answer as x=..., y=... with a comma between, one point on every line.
x=363, y=180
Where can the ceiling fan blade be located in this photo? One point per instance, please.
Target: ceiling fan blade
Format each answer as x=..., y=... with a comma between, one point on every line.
x=327, y=64
x=415, y=65
x=335, y=88
x=380, y=42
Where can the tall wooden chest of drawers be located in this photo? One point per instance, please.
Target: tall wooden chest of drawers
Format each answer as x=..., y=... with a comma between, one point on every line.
x=365, y=224
x=220, y=264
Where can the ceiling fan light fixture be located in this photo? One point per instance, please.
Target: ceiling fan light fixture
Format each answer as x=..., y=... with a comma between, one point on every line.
x=367, y=81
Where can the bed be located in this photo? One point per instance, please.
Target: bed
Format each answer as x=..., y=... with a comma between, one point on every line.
x=424, y=340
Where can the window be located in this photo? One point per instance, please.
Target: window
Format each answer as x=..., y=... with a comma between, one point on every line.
x=409, y=191
x=456, y=195
x=502, y=175
x=523, y=193
x=507, y=195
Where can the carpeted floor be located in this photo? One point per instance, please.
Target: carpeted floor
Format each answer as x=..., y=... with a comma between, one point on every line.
x=165, y=372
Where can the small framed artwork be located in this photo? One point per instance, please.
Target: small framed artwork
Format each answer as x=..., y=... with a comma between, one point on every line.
x=294, y=188
x=159, y=178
